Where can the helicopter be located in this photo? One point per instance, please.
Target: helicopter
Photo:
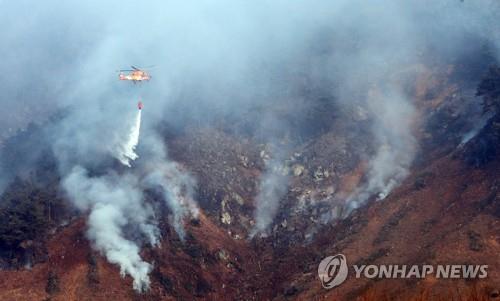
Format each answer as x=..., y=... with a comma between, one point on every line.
x=136, y=74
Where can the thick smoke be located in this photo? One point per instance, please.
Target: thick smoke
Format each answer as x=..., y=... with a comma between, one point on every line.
x=213, y=58
x=115, y=203
x=116, y=207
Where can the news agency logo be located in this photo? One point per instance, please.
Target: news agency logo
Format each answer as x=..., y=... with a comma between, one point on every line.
x=332, y=271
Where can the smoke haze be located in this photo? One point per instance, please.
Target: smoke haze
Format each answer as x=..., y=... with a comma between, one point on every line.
x=213, y=58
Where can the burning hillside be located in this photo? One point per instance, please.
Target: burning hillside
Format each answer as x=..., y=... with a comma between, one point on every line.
x=283, y=153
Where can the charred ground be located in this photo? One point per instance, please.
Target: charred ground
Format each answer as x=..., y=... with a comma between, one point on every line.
x=447, y=209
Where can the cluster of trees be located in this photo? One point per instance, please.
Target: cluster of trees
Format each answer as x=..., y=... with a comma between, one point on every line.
x=22, y=215
x=26, y=215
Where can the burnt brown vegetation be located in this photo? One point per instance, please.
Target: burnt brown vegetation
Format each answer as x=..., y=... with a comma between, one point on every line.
x=446, y=211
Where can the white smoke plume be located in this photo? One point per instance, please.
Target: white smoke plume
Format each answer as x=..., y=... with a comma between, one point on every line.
x=125, y=150
x=272, y=187
x=115, y=203
x=395, y=151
